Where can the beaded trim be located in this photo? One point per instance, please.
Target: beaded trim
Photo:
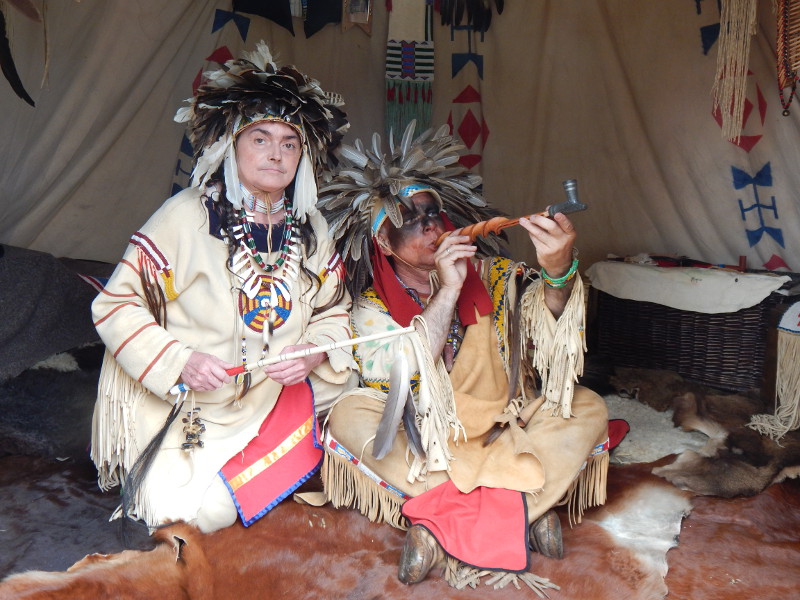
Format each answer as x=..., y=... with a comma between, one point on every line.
x=334, y=447
x=255, y=204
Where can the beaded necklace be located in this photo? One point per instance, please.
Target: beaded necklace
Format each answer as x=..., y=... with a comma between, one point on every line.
x=273, y=285
x=258, y=205
x=248, y=243
x=269, y=286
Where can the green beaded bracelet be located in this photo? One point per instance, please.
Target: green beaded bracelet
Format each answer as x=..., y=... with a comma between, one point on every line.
x=559, y=282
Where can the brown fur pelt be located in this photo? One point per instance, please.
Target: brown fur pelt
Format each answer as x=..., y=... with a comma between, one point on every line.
x=176, y=569
x=658, y=388
x=304, y=553
x=729, y=549
x=737, y=461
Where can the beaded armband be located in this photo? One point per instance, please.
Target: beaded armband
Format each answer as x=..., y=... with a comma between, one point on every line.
x=560, y=282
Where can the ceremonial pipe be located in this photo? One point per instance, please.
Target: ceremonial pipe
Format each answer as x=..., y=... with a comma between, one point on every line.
x=494, y=225
x=182, y=387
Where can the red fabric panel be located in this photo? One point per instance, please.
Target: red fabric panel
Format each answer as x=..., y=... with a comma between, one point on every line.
x=296, y=455
x=617, y=430
x=487, y=528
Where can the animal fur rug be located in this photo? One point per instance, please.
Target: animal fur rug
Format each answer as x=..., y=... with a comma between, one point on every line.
x=304, y=552
x=53, y=515
x=729, y=549
x=736, y=460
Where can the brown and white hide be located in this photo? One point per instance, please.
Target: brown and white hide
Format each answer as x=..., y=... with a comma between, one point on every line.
x=644, y=520
x=303, y=552
x=736, y=461
x=739, y=548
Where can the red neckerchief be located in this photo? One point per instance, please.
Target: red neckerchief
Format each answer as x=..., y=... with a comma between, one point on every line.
x=402, y=307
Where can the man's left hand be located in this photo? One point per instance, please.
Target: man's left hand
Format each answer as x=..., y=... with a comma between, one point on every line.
x=289, y=372
x=553, y=240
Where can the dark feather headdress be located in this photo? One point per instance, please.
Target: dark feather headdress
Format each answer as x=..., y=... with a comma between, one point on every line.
x=251, y=89
x=370, y=186
x=478, y=12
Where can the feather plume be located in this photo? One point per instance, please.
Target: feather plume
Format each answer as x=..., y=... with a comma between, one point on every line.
x=354, y=155
x=392, y=409
x=413, y=436
x=393, y=212
x=261, y=56
x=370, y=179
x=376, y=145
x=405, y=144
x=8, y=67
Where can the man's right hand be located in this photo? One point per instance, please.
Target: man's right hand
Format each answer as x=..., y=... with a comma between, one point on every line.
x=205, y=372
x=449, y=260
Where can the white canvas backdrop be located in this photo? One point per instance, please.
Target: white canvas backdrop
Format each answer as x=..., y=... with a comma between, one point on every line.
x=614, y=93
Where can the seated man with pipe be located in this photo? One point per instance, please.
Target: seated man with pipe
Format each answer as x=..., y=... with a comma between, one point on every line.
x=468, y=430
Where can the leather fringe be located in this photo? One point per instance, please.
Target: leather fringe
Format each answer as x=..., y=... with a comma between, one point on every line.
x=437, y=417
x=113, y=448
x=738, y=25
x=345, y=485
x=459, y=576
x=588, y=489
x=559, y=346
x=787, y=391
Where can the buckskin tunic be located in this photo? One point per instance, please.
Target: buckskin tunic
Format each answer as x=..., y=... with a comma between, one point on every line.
x=207, y=312
x=559, y=456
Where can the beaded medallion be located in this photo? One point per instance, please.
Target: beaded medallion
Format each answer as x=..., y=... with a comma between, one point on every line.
x=274, y=296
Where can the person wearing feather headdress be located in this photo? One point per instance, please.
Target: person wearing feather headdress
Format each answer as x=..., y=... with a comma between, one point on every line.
x=494, y=432
x=234, y=269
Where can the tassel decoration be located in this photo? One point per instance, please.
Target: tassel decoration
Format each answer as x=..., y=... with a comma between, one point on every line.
x=737, y=27
x=787, y=381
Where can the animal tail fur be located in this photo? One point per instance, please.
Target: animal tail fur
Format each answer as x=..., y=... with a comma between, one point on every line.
x=138, y=472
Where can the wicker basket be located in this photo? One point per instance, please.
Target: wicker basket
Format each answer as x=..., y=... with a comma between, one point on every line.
x=724, y=350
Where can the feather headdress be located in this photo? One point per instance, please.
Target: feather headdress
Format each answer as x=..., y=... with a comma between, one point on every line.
x=370, y=186
x=251, y=89
x=478, y=13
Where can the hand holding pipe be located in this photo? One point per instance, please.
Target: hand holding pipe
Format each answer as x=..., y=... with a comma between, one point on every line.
x=233, y=371
x=495, y=224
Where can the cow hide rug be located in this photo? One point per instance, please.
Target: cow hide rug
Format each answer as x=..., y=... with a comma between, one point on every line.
x=53, y=515
x=303, y=552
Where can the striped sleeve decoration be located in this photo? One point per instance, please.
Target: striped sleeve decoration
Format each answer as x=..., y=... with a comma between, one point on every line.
x=334, y=265
x=155, y=258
